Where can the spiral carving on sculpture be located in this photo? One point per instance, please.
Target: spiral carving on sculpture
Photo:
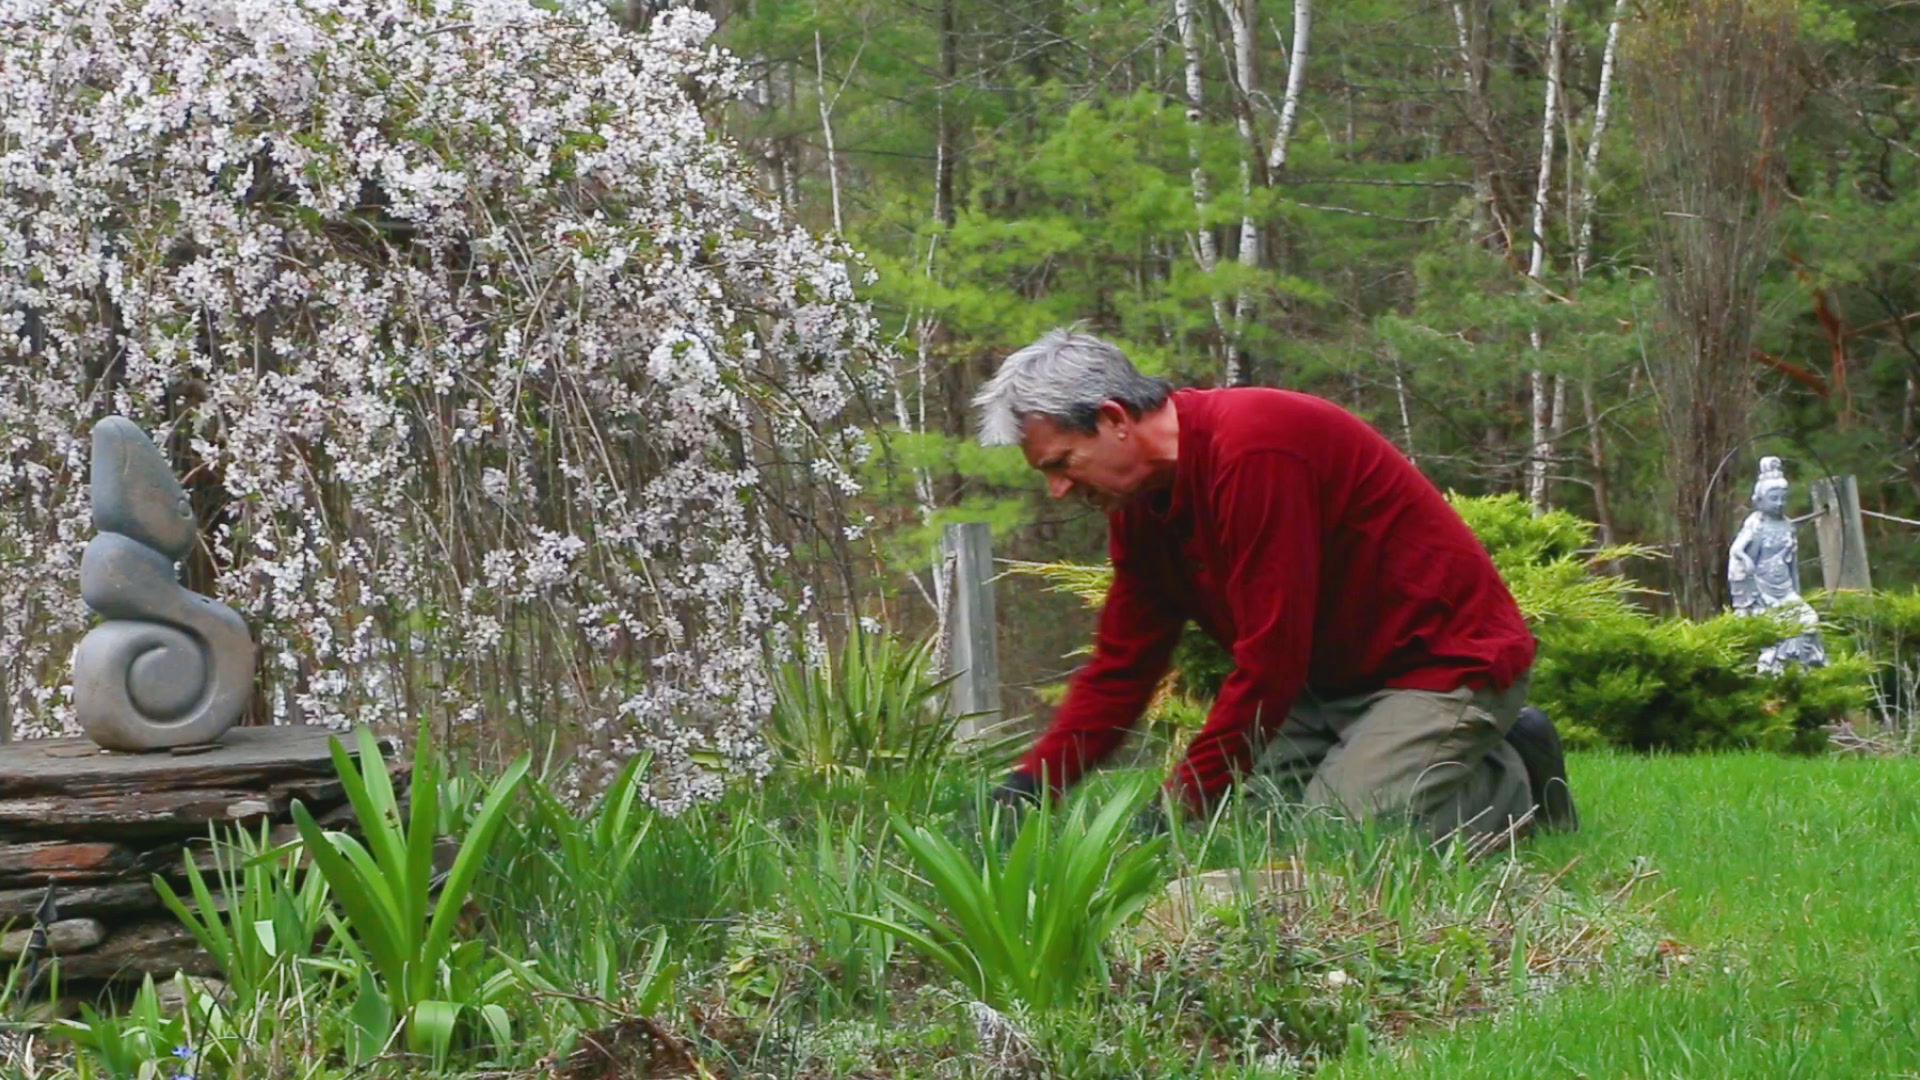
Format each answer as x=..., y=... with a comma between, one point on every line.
x=168, y=667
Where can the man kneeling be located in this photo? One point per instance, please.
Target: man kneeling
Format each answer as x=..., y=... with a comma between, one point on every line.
x=1380, y=664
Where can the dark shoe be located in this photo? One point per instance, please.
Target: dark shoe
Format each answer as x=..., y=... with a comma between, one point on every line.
x=1533, y=735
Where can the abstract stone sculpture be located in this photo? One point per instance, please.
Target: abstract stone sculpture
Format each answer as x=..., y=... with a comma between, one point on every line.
x=169, y=667
x=1763, y=572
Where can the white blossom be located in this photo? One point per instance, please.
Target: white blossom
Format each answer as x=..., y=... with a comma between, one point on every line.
x=460, y=319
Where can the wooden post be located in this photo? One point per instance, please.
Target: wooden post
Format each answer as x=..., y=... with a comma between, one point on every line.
x=973, y=652
x=1843, y=543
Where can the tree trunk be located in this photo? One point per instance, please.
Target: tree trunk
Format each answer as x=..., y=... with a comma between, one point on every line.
x=826, y=131
x=1240, y=21
x=943, y=209
x=1537, y=265
x=1296, y=83
x=1490, y=219
x=1590, y=173
x=1597, y=455
x=1714, y=97
x=1205, y=251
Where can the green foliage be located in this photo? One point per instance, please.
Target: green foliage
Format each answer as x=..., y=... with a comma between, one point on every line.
x=1884, y=626
x=1610, y=673
x=1676, y=684
x=570, y=891
x=398, y=938
x=1199, y=664
x=143, y=1043
x=1027, y=924
x=826, y=876
x=583, y=892
x=266, y=915
x=1548, y=562
x=869, y=709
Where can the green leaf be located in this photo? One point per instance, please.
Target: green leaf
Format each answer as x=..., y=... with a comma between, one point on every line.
x=430, y=1029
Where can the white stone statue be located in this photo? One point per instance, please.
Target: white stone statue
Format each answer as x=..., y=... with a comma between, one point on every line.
x=168, y=667
x=1763, y=572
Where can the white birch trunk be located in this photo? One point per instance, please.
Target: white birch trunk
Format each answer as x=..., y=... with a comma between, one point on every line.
x=1205, y=251
x=1296, y=82
x=1590, y=172
x=826, y=131
x=1240, y=23
x=1240, y=15
x=1406, y=414
x=1482, y=183
x=1537, y=264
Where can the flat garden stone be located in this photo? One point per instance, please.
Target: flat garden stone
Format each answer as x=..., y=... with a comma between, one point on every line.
x=42, y=861
x=1187, y=899
x=158, y=947
x=64, y=937
x=107, y=899
x=244, y=758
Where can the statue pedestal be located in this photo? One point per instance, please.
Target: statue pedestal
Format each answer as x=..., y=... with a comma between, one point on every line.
x=97, y=826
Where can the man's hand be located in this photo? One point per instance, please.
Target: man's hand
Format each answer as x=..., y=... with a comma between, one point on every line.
x=1008, y=803
x=1017, y=794
x=1158, y=817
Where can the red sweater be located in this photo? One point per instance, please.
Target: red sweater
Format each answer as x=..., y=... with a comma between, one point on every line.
x=1308, y=546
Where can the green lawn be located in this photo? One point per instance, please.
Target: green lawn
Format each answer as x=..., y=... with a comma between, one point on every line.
x=1794, y=886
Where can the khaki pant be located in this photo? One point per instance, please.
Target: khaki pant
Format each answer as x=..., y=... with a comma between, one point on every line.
x=1438, y=759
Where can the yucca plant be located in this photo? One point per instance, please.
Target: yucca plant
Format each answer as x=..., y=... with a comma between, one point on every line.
x=871, y=706
x=1027, y=923
x=398, y=938
x=267, y=914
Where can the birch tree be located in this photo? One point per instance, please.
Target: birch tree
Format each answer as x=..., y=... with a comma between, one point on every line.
x=1582, y=258
x=1542, y=392
x=1205, y=251
x=1590, y=171
x=1240, y=22
x=1253, y=170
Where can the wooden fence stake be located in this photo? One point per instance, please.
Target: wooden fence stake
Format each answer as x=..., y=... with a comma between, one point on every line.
x=1843, y=542
x=973, y=651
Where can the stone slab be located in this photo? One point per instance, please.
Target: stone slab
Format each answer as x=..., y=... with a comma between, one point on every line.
x=41, y=861
x=147, y=814
x=158, y=947
x=1174, y=916
x=245, y=757
x=64, y=937
x=112, y=898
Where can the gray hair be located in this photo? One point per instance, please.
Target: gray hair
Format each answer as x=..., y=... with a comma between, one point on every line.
x=1065, y=376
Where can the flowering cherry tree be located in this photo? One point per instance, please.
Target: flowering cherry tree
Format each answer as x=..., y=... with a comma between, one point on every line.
x=472, y=341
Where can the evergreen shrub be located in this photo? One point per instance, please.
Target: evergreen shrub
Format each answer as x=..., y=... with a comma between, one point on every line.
x=1886, y=627
x=1611, y=673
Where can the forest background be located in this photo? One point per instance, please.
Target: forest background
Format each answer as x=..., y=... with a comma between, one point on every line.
x=1603, y=253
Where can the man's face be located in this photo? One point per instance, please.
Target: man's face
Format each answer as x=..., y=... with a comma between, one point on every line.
x=1106, y=468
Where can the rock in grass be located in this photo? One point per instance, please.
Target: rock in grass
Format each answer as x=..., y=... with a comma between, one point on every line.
x=1188, y=898
x=64, y=938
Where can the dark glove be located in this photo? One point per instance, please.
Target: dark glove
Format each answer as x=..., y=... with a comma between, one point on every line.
x=1017, y=794
x=1008, y=803
x=1151, y=821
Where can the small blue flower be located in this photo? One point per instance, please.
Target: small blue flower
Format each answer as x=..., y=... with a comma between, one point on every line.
x=183, y=1051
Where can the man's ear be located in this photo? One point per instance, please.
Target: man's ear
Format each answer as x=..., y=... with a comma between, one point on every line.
x=1116, y=414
